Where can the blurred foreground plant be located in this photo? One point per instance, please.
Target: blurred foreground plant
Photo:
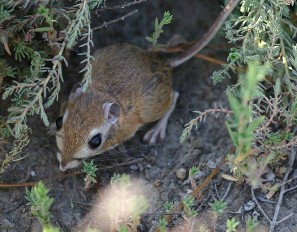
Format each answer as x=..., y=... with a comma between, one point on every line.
x=124, y=206
x=40, y=206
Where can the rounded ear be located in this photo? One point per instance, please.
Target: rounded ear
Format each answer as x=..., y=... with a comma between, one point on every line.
x=111, y=112
x=75, y=91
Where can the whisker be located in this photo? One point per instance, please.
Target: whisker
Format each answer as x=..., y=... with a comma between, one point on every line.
x=112, y=155
x=134, y=148
x=52, y=129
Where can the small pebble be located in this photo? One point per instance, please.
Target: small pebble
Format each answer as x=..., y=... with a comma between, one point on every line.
x=140, y=167
x=148, y=166
x=158, y=183
x=133, y=167
x=211, y=164
x=32, y=173
x=181, y=173
x=249, y=206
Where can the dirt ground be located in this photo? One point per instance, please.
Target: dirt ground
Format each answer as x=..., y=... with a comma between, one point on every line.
x=152, y=167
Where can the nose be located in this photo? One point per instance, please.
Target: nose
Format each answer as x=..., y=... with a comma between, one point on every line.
x=63, y=165
x=62, y=168
x=59, y=157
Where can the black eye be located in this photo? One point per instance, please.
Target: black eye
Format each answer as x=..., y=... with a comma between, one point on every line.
x=59, y=122
x=95, y=141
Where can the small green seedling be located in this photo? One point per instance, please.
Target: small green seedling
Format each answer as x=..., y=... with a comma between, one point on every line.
x=168, y=206
x=167, y=18
x=218, y=207
x=193, y=171
x=231, y=225
x=251, y=224
x=163, y=225
x=90, y=170
x=188, y=202
x=40, y=204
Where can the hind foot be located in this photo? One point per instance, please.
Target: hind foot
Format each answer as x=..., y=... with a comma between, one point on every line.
x=159, y=130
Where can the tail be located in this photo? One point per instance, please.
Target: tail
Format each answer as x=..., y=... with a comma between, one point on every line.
x=197, y=47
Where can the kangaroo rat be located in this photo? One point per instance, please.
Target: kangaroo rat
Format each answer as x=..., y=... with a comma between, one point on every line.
x=130, y=87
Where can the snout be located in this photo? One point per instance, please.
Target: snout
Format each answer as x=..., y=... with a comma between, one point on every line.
x=64, y=165
x=63, y=169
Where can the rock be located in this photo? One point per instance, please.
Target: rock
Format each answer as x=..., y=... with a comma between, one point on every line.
x=181, y=173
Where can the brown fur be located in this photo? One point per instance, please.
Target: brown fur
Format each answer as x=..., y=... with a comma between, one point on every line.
x=139, y=82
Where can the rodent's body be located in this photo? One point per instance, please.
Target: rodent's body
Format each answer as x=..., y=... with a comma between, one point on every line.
x=139, y=83
x=129, y=88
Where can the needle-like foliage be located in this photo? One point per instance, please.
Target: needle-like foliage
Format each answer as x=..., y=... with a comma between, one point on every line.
x=263, y=103
x=37, y=34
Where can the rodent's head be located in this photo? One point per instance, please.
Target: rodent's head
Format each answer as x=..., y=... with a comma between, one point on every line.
x=86, y=128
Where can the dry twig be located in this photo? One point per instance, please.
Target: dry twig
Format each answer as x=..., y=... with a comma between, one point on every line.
x=274, y=222
x=28, y=184
x=105, y=24
x=122, y=6
x=207, y=37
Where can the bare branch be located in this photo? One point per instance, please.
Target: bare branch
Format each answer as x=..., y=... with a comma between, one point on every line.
x=105, y=24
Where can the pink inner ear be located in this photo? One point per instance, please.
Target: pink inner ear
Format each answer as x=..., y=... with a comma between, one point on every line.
x=109, y=115
x=112, y=120
x=78, y=91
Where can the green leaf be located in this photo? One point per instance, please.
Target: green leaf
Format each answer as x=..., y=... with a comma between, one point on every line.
x=232, y=134
x=150, y=39
x=235, y=105
x=95, y=4
x=277, y=87
x=158, y=28
x=43, y=29
x=231, y=225
x=43, y=11
x=4, y=14
x=156, y=24
x=255, y=123
x=6, y=93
